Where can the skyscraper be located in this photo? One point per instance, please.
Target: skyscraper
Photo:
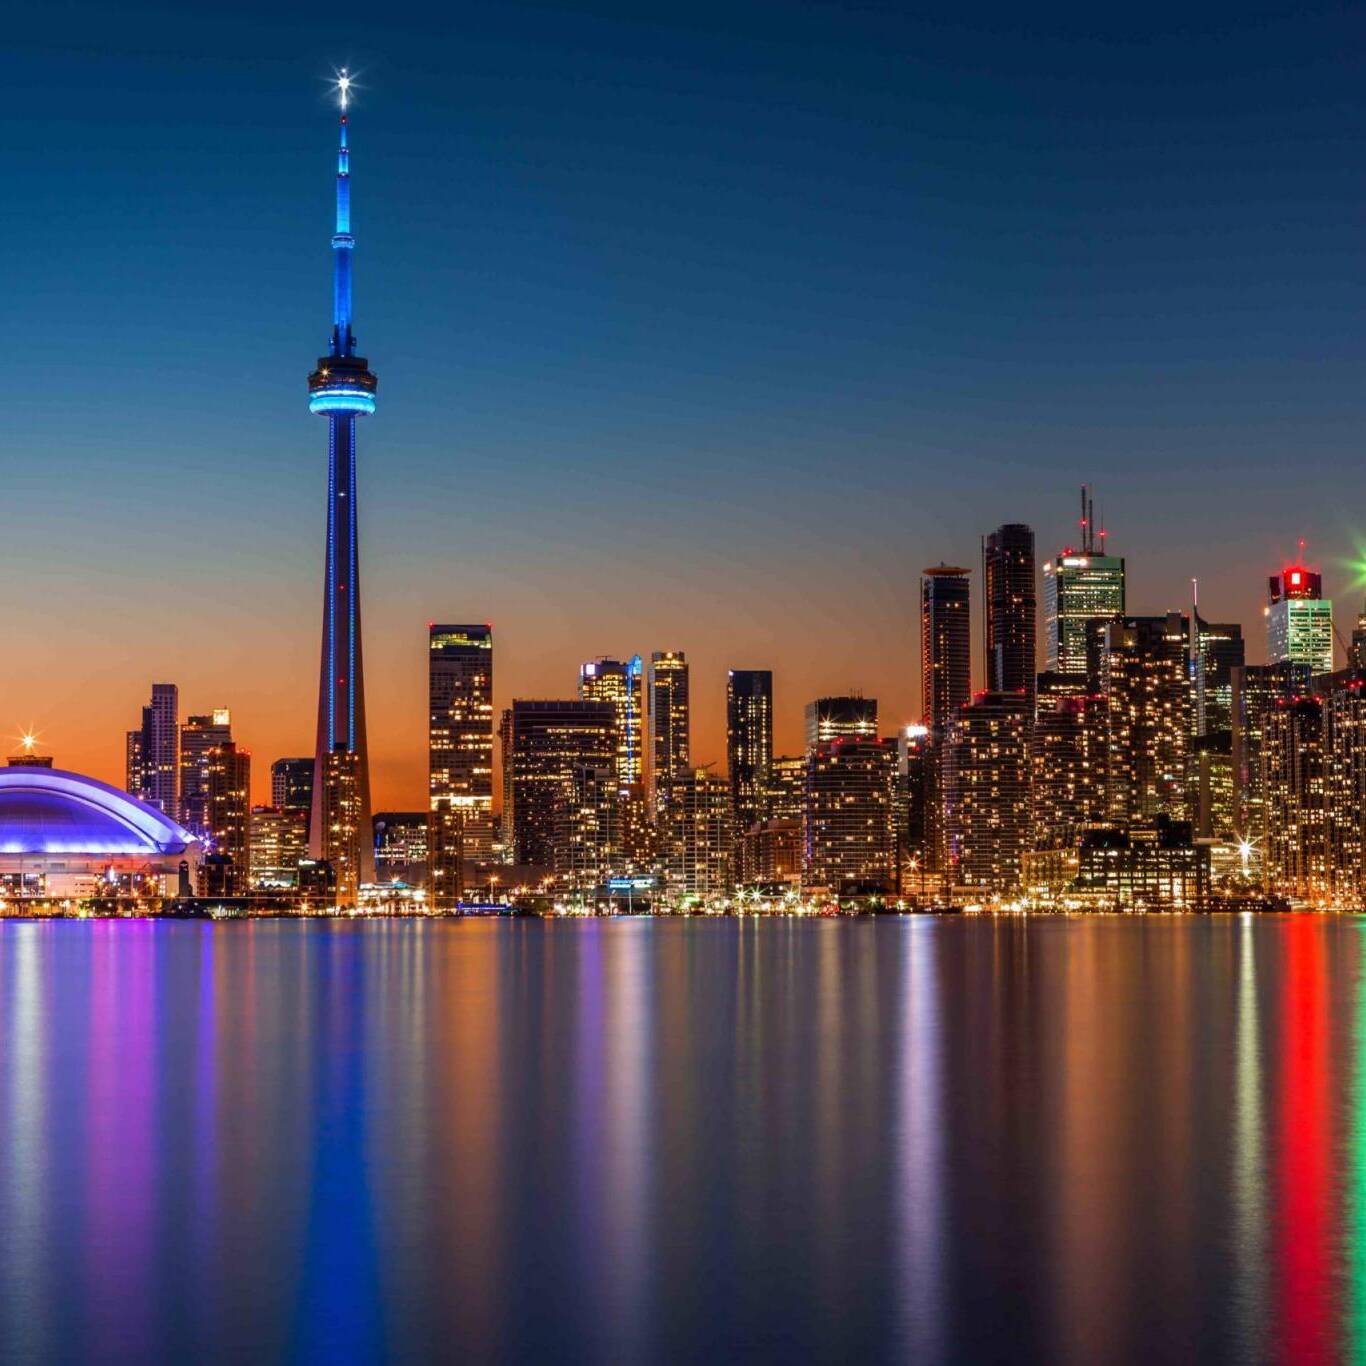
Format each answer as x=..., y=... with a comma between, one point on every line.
x=848, y=818
x=1081, y=589
x=279, y=841
x=1299, y=844
x=618, y=681
x=669, y=718
x=1068, y=764
x=153, y=752
x=460, y=735
x=697, y=848
x=749, y=742
x=341, y=389
x=986, y=792
x=291, y=784
x=1009, y=619
x=839, y=718
x=945, y=645
x=337, y=805
x=1144, y=675
x=227, y=805
x=1299, y=620
x=543, y=742
x=587, y=822
x=198, y=736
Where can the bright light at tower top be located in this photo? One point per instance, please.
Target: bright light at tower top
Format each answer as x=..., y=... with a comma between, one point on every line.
x=344, y=83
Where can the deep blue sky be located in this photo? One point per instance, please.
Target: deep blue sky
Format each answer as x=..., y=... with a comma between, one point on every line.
x=699, y=328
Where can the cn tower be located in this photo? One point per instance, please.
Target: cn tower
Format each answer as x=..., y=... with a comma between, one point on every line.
x=342, y=388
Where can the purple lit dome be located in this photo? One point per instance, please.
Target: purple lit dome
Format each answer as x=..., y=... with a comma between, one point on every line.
x=49, y=811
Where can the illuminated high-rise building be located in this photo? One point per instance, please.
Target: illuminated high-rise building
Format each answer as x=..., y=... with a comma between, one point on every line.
x=227, y=805
x=1299, y=620
x=341, y=389
x=986, y=792
x=1009, y=618
x=587, y=843
x=543, y=743
x=618, y=681
x=749, y=741
x=1082, y=588
x=697, y=841
x=460, y=736
x=291, y=784
x=198, y=736
x=401, y=846
x=840, y=718
x=1256, y=689
x=912, y=795
x=669, y=718
x=1217, y=651
x=337, y=818
x=279, y=843
x=1068, y=763
x=1298, y=856
x=945, y=645
x=153, y=752
x=785, y=788
x=1145, y=677
x=849, y=812
x=1344, y=718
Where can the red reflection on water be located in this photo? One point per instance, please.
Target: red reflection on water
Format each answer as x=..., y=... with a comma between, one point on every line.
x=1304, y=1227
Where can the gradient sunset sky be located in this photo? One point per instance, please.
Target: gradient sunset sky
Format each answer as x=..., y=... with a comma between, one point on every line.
x=702, y=328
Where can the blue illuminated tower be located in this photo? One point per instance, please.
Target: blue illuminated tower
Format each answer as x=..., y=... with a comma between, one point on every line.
x=341, y=389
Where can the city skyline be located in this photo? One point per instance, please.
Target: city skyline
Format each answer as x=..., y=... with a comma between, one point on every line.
x=851, y=461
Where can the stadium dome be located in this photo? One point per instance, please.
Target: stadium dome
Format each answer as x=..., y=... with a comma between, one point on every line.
x=64, y=831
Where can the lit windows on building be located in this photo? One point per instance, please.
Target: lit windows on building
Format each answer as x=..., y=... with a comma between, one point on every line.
x=840, y=718
x=749, y=741
x=460, y=735
x=1079, y=589
x=1299, y=620
x=670, y=719
x=986, y=792
x=227, y=798
x=340, y=810
x=543, y=743
x=848, y=816
x=697, y=839
x=619, y=681
x=1145, y=677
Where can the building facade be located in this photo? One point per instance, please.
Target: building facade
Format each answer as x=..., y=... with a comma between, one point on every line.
x=1009, y=596
x=697, y=845
x=1080, y=590
x=460, y=737
x=227, y=805
x=618, y=681
x=1299, y=620
x=986, y=793
x=670, y=719
x=840, y=718
x=153, y=752
x=945, y=645
x=198, y=736
x=543, y=743
x=848, y=815
x=1144, y=676
x=749, y=742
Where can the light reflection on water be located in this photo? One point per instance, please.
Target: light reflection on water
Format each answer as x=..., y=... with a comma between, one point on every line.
x=910, y=1139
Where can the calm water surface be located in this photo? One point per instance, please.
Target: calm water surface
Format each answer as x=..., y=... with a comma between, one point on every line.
x=919, y=1140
